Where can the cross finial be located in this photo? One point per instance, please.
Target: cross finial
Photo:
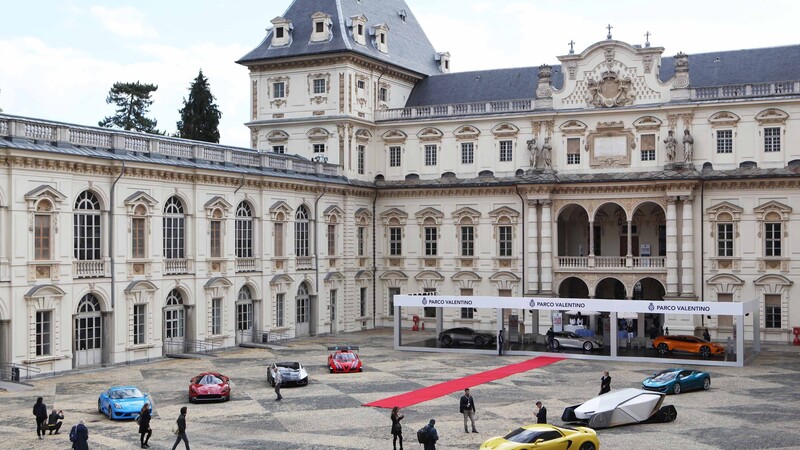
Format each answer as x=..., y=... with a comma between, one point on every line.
x=571, y=47
x=609, y=31
x=647, y=39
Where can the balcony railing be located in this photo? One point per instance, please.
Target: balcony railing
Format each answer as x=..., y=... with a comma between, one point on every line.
x=746, y=90
x=611, y=262
x=459, y=109
x=90, y=269
x=304, y=263
x=176, y=266
x=573, y=261
x=649, y=262
x=246, y=265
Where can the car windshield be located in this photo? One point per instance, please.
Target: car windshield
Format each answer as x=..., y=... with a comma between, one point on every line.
x=209, y=379
x=126, y=393
x=665, y=376
x=523, y=436
x=344, y=357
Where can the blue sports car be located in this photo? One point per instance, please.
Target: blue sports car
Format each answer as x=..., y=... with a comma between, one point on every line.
x=675, y=381
x=123, y=402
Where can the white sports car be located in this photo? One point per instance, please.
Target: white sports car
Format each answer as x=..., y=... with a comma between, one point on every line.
x=291, y=373
x=622, y=407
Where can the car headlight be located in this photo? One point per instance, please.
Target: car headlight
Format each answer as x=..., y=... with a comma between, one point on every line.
x=117, y=405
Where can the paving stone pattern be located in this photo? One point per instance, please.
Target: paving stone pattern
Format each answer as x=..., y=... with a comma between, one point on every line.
x=755, y=407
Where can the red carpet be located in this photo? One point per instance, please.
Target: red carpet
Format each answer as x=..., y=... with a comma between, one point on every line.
x=448, y=387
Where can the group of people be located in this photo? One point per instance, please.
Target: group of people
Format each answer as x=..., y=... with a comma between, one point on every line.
x=467, y=409
x=79, y=434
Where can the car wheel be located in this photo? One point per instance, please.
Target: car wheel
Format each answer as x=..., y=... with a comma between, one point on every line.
x=556, y=344
x=705, y=351
x=676, y=389
x=587, y=446
x=662, y=349
x=479, y=341
x=304, y=381
x=706, y=383
x=447, y=340
x=99, y=407
x=330, y=369
x=588, y=347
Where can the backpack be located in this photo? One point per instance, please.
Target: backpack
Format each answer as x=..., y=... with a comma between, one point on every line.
x=422, y=435
x=73, y=434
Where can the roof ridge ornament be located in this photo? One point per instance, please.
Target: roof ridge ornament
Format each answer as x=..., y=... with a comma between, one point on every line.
x=571, y=47
x=647, y=39
x=608, y=36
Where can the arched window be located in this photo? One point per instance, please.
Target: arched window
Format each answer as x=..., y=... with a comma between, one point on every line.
x=88, y=331
x=301, y=243
x=42, y=231
x=86, y=224
x=174, y=315
x=174, y=229
x=244, y=231
x=244, y=310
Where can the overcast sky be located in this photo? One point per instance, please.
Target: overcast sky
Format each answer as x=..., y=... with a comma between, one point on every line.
x=59, y=58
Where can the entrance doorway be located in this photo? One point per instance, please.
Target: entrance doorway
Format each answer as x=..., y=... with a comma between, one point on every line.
x=88, y=333
x=303, y=303
x=174, y=323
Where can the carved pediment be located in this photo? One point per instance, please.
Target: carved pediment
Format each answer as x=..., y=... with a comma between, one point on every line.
x=318, y=133
x=647, y=123
x=771, y=116
x=610, y=91
x=276, y=136
x=503, y=211
x=394, y=213
x=394, y=136
x=505, y=129
x=429, y=212
x=466, y=212
x=724, y=119
x=333, y=210
x=573, y=127
x=734, y=212
x=279, y=209
x=430, y=134
x=363, y=135
x=467, y=132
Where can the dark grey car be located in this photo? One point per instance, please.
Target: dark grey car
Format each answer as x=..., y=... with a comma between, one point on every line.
x=464, y=335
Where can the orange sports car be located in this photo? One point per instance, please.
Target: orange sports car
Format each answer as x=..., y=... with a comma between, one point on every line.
x=687, y=344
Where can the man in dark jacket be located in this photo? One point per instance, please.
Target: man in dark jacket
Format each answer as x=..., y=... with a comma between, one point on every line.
x=467, y=408
x=40, y=411
x=541, y=413
x=550, y=336
x=433, y=436
x=81, y=441
x=605, y=383
x=181, y=432
x=54, y=421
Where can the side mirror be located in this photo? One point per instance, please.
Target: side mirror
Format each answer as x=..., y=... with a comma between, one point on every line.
x=538, y=441
x=147, y=395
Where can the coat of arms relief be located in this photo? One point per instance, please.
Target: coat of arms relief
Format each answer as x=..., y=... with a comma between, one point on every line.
x=612, y=90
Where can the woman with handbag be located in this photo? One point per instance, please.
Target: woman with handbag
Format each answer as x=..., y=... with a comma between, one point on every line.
x=397, y=429
x=144, y=425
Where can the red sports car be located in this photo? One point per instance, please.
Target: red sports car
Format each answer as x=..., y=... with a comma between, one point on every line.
x=209, y=386
x=344, y=359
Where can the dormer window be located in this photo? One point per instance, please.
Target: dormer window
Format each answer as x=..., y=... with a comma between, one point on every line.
x=281, y=32
x=358, y=26
x=381, y=32
x=444, y=61
x=322, y=27
x=360, y=30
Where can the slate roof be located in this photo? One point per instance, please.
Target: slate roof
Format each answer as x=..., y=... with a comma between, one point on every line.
x=409, y=47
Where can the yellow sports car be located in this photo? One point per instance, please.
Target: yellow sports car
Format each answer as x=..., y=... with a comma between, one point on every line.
x=545, y=437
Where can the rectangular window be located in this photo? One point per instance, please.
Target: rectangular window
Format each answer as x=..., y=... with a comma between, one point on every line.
x=724, y=141
x=360, y=84
x=360, y=30
x=137, y=237
x=383, y=38
x=363, y=302
x=506, y=151
x=216, y=238
x=331, y=240
x=573, y=150
x=332, y=295
x=319, y=148
x=278, y=149
x=216, y=316
x=724, y=239
x=360, y=156
x=362, y=241
x=394, y=156
x=86, y=236
x=41, y=237
x=278, y=89
x=430, y=241
x=319, y=86
x=319, y=27
x=244, y=237
x=44, y=337
x=467, y=240
x=648, y=147
x=278, y=239
x=467, y=313
x=279, y=32
x=467, y=153
x=430, y=155
x=772, y=239
x=392, y=292
x=772, y=311
x=504, y=239
x=139, y=324
x=279, y=309
x=383, y=94
x=772, y=139
x=395, y=241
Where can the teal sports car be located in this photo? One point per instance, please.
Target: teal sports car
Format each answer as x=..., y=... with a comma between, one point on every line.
x=123, y=402
x=675, y=381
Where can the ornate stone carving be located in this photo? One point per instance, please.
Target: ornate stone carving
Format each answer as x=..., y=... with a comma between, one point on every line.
x=544, y=90
x=681, y=79
x=572, y=69
x=610, y=91
x=648, y=63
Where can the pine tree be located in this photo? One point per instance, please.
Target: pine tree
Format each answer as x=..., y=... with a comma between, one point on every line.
x=199, y=115
x=132, y=101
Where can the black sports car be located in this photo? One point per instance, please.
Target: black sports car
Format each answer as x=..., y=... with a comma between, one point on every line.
x=464, y=335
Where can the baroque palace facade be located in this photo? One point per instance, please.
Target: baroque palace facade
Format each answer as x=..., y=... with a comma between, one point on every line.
x=618, y=173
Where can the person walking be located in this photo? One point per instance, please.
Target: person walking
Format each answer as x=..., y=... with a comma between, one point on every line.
x=278, y=380
x=144, y=425
x=501, y=340
x=81, y=436
x=467, y=408
x=550, y=336
x=397, y=429
x=706, y=334
x=40, y=411
x=54, y=421
x=433, y=436
x=541, y=413
x=181, y=431
x=605, y=383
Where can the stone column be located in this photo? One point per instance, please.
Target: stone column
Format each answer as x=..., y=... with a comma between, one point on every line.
x=547, y=246
x=629, y=255
x=533, y=247
x=257, y=311
x=5, y=341
x=591, y=239
x=672, y=249
x=687, y=249
x=107, y=339
x=189, y=334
